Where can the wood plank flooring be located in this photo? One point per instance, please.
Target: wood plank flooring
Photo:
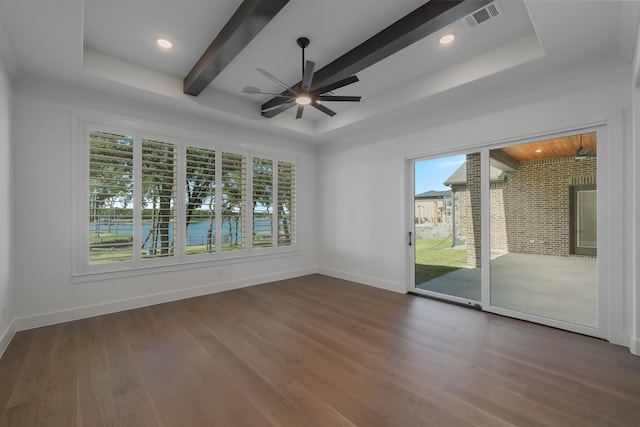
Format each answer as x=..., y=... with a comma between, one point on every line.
x=313, y=351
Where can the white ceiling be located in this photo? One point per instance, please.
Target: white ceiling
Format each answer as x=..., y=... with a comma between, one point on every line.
x=110, y=45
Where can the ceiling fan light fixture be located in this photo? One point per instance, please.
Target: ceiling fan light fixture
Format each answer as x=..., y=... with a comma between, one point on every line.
x=303, y=99
x=447, y=39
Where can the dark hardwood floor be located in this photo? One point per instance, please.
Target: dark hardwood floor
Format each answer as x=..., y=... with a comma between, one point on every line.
x=313, y=351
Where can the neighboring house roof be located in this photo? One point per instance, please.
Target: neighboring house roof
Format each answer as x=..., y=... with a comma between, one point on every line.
x=433, y=194
x=460, y=175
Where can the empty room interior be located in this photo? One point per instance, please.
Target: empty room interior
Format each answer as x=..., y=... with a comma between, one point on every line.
x=292, y=213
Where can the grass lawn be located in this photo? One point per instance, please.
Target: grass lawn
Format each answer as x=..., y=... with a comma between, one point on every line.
x=436, y=257
x=109, y=239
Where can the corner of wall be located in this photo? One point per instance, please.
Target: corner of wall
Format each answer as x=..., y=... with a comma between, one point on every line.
x=7, y=283
x=634, y=345
x=6, y=336
x=362, y=279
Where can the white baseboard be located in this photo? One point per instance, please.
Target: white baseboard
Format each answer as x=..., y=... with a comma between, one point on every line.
x=365, y=280
x=52, y=318
x=634, y=346
x=6, y=337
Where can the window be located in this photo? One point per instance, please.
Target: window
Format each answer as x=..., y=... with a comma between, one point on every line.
x=233, y=189
x=286, y=203
x=262, y=203
x=110, y=197
x=583, y=207
x=158, y=201
x=201, y=201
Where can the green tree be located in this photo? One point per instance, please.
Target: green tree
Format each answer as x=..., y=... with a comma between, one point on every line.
x=110, y=175
x=158, y=189
x=262, y=201
x=233, y=189
x=286, y=200
x=201, y=185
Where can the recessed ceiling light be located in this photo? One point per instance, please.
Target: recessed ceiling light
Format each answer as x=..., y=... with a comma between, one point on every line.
x=539, y=150
x=447, y=39
x=164, y=43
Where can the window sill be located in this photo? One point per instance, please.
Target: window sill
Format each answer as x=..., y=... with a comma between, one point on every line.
x=80, y=278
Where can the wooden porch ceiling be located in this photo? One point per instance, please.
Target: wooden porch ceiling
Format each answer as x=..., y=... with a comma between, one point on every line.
x=550, y=148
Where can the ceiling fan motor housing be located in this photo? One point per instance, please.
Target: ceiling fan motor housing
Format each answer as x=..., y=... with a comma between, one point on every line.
x=303, y=42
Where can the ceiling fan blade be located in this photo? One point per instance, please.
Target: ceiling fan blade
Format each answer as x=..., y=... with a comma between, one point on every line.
x=278, y=102
x=308, y=75
x=299, y=112
x=255, y=91
x=336, y=85
x=323, y=109
x=339, y=98
x=275, y=110
x=274, y=79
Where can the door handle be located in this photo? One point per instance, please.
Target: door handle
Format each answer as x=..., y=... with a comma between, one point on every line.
x=410, y=238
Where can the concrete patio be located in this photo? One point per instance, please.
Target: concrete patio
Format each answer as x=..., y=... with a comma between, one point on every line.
x=561, y=288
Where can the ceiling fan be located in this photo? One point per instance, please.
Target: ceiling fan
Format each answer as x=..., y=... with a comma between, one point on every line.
x=582, y=152
x=303, y=93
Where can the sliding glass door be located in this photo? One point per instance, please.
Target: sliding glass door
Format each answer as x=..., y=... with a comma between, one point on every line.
x=543, y=223
x=512, y=229
x=447, y=244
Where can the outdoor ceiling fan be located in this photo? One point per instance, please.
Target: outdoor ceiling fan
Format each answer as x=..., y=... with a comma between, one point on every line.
x=302, y=94
x=582, y=152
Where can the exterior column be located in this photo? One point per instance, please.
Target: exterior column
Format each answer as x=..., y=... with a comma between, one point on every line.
x=474, y=254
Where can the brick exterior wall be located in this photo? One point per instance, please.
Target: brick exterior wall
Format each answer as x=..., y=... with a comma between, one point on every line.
x=529, y=211
x=469, y=210
x=498, y=217
x=536, y=206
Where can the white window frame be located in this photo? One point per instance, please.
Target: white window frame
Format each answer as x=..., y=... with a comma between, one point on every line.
x=83, y=271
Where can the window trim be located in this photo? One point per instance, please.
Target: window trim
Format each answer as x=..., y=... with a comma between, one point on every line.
x=83, y=271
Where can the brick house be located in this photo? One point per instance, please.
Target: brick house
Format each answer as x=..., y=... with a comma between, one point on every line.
x=531, y=203
x=433, y=207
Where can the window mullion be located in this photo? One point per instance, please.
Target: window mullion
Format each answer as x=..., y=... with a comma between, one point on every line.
x=85, y=153
x=180, y=224
x=274, y=217
x=248, y=210
x=218, y=201
x=137, y=199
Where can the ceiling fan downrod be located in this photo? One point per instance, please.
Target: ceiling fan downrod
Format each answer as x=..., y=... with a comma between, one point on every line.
x=303, y=42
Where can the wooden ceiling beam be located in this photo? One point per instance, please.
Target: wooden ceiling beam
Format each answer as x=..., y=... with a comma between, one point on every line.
x=425, y=20
x=247, y=21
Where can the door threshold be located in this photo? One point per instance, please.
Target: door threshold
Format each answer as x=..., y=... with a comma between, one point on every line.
x=474, y=305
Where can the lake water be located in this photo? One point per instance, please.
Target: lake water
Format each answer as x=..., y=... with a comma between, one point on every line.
x=196, y=232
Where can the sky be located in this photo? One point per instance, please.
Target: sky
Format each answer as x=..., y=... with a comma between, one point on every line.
x=430, y=174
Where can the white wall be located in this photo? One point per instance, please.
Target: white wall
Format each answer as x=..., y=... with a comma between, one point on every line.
x=6, y=276
x=362, y=181
x=43, y=209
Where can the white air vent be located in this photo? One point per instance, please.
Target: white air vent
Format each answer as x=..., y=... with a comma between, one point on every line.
x=479, y=16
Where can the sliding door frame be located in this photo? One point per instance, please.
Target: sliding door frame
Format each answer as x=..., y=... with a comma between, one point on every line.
x=410, y=202
x=602, y=328
x=604, y=222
